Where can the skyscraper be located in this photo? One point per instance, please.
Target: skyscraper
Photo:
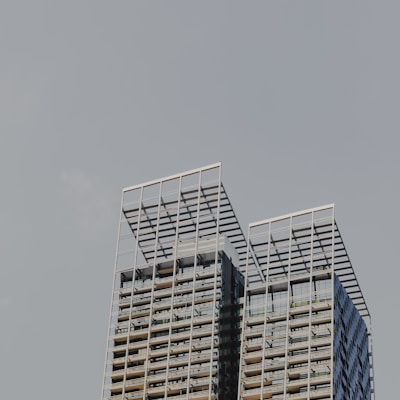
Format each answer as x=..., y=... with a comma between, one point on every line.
x=305, y=322
x=200, y=312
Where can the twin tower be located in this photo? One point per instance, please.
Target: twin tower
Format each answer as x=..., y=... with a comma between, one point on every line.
x=202, y=311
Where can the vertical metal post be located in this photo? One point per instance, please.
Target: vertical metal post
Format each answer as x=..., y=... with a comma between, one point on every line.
x=310, y=300
x=154, y=262
x=110, y=326
x=289, y=266
x=333, y=299
x=215, y=281
x=175, y=255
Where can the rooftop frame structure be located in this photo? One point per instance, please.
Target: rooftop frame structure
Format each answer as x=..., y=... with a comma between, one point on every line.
x=177, y=233
x=202, y=208
x=325, y=231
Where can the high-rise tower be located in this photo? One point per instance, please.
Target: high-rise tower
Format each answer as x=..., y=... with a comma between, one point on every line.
x=175, y=323
x=199, y=312
x=305, y=322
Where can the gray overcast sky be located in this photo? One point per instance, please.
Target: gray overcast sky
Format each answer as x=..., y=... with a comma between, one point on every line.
x=299, y=100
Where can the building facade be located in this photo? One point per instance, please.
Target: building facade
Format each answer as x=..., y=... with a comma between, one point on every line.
x=200, y=312
x=305, y=331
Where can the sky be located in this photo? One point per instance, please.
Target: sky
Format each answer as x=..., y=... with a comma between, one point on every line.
x=298, y=100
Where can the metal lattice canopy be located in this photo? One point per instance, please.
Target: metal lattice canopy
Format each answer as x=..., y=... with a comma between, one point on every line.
x=194, y=205
x=197, y=207
x=301, y=240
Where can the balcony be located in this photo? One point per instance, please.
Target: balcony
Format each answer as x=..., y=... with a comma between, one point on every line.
x=270, y=390
x=135, y=312
x=174, y=388
x=200, y=395
x=279, y=363
x=128, y=396
x=301, y=307
x=130, y=372
x=201, y=320
x=174, y=362
x=183, y=336
x=320, y=368
x=181, y=348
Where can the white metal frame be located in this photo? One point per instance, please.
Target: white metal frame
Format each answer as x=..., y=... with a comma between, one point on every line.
x=200, y=210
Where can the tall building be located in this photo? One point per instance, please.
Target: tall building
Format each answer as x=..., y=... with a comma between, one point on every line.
x=305, y=332
x=200, y=312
